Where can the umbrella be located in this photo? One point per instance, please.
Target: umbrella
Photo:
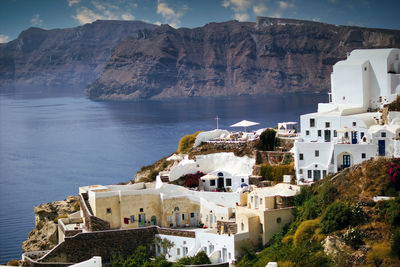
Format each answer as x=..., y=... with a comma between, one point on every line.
x=244, y=124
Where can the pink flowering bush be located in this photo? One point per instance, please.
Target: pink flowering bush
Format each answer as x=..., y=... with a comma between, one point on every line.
x=394, y=172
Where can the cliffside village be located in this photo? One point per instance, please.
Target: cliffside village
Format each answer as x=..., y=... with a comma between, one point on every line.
x=226, y=212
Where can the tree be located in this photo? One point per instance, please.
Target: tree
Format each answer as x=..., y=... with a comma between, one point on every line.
x=267, y=140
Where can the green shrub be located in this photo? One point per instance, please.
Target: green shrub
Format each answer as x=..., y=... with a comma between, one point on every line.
x=199, y=259
x=275, y=173
x=378, y=253
x=267, y=140
x=13, y=263
x=305, y=231
x=327, y=193
x=337, y=216
x=395, y=242
x=353, y=237
x=60, y=217
x=389, y=211
x=187, y=142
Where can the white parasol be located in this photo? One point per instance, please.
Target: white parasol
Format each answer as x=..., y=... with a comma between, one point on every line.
x=245, y=124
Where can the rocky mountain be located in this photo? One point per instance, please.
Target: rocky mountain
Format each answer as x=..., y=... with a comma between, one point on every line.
x=63, y=58
x=273, y=56
x=44, y=235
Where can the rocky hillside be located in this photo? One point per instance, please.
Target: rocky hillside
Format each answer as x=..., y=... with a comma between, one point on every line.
x=337, y=222
x=66, y=59
x=44, y=236
x=232, y=58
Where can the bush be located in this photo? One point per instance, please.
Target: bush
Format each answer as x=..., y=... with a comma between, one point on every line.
x=275, y=173
x=395, y=242
x=389, y=210
x=353, y=237
x=267, y=140
x=199, y=259
x=187, y=142
x=305, y=231
x=378, y=254
x=13, y=263
x=61, y=216
x=337, y=216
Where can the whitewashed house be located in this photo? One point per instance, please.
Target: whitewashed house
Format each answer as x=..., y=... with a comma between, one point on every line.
x=350, y=128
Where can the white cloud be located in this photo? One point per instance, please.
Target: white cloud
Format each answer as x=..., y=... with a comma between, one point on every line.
x=127, y=16
x=73, y=2
x=283, y=5
x=170, y=15
x=239, y=7
x=260, y=9
x=36, y=20
x=4, y=38
x=103, y=11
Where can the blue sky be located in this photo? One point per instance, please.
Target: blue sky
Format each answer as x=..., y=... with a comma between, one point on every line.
x=18, y=15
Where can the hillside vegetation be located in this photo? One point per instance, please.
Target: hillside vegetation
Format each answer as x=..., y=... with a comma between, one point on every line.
x=338, y=224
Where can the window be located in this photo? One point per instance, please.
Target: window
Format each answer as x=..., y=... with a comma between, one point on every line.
x=192, y=215
x=334, y=133
x=176, y=209
x=317, y=153
x=220, y=174
x=365, y=68
x=108, y=210
x=212, y=182
x=184, y=216
x=319, y=133
x=260, y=201
x=178, y=251
x=141, y=209
x=228, y=182
x=327, y=124
x=242, y=226
x=300, y=171
x=312, y=122
x=363, y=155
x=383, y=134
x=354, y=123
x=362, y=134
x=307, y=132
x=169, y=218
x=132, y=218
x=278, y=220
x=185, y=251
x=309, y=174
x=301, y=156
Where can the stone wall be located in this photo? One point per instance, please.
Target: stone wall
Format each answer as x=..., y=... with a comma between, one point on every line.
x=228, y=227
x=92, y=223
x=84, y=246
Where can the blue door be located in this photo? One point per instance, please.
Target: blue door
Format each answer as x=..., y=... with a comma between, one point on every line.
x=381, y=147
x=346, y=161
x=354, y=137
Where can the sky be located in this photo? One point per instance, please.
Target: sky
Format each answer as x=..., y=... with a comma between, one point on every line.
x=18, y=15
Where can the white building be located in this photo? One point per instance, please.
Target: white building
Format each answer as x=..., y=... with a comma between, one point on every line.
x=224, y=170
x=350, y=128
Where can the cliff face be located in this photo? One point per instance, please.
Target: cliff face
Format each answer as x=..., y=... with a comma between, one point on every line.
x=232, y=58
x=44, y=236
x=63, y=58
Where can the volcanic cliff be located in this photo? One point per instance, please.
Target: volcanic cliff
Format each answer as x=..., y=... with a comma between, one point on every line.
x=271, y=56
x=63, y=59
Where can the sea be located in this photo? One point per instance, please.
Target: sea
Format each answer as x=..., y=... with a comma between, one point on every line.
x=51, y=145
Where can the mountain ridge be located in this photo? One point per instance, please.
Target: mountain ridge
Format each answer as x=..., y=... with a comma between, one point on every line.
x=270, y=56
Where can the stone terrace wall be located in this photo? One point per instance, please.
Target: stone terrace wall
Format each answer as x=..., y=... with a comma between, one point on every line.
x=92, y=223
x=83, y=246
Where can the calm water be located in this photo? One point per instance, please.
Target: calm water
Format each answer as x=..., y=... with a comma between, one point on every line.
x=51, y=146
